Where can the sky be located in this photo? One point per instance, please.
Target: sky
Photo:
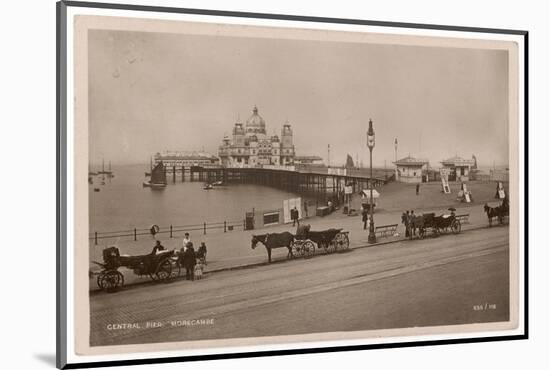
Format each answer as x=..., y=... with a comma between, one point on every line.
x=150, y=92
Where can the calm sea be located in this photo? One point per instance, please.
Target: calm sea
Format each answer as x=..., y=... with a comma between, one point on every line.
x=123, y=203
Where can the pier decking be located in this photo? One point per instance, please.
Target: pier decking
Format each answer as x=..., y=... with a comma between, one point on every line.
x=321, y=181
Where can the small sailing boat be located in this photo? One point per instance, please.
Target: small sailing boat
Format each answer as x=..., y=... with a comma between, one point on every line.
x=103, y=172
x=158, y=177
x=110, y=173
x=208, y=187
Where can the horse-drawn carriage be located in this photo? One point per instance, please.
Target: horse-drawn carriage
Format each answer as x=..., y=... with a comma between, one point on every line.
x=437, y=224
x=304, y=242
x=499, y=212
x=330, y=240
x=161, y=266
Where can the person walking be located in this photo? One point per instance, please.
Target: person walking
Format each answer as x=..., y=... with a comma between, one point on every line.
x=189, y=262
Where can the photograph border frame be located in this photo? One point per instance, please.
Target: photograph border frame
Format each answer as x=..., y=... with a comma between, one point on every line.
x=61, y=190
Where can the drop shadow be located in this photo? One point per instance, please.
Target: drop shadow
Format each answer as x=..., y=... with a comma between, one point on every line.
x=47, y=358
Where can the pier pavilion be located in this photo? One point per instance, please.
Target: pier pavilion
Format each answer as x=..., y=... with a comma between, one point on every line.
x=250, y=146
x=410, y=169
x=459, y=168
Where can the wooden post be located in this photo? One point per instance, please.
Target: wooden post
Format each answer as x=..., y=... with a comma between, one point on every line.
x=135, y=234
x=204, y=228
x=96, y=238
x=225, y=226
x=182, y=173
x=174, y=174
x=170, y=231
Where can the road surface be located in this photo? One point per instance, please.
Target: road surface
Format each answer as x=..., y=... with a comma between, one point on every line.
x=451, y=279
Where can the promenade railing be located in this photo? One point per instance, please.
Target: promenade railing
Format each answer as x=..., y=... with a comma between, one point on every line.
x=171, y=230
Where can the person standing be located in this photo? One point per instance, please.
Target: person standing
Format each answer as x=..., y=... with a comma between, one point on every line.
x=365, y=216
x=417, y=189
x=201, y=253
x=412, y=226
x=305, y=207
x=405, y=221
x=186, y=240
x=189, y=262
x=294, y=216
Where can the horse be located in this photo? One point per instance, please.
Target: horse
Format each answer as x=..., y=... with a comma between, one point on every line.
x=275, y=240
x=416, y=222
x=500, y=212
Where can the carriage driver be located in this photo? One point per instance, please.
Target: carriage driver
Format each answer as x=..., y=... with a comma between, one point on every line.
x=158, y=247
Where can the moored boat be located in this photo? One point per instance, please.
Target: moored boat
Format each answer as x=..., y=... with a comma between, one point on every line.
x=158, y=178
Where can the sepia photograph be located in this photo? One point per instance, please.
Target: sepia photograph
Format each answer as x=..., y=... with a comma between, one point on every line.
x=240, y=185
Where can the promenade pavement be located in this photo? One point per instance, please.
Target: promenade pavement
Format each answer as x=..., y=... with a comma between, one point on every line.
x=233, y=248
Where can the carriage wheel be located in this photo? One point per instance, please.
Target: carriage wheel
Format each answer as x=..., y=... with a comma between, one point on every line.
x=110, y=281
x=341, y=241
x=164, y=270
x=456, y=227
x=296, y=248
x=308, y=249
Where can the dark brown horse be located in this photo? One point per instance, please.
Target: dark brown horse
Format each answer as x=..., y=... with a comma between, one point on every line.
x=275, y=240
x=416, y=223
x=499, y=212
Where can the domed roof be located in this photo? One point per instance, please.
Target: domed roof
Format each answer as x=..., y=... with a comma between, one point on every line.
x=255, y=123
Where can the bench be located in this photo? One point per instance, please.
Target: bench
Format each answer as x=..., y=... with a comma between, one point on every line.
x=464, y=219
x=386, y=230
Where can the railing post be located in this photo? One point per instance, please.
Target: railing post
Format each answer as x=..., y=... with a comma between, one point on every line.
x=170, y=231
x=204, y=228
x=135, y=234
x=225, y=226
x=96, y=238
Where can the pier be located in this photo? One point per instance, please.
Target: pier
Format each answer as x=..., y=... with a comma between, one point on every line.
x=323, y=182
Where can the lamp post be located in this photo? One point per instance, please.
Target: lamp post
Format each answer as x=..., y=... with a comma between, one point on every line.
x=370, y=144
